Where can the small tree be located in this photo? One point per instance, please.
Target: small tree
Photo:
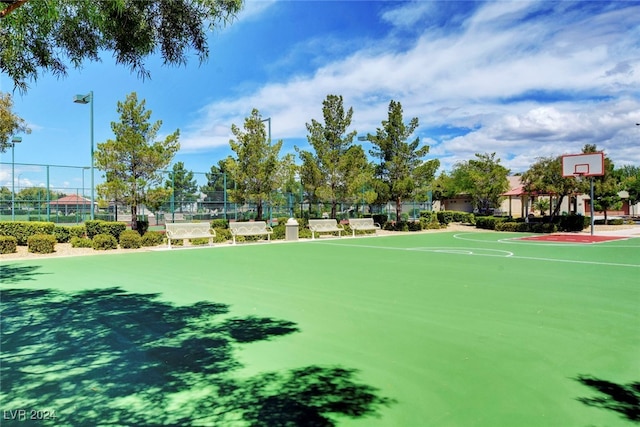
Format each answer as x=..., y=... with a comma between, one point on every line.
x=257, y=169
x=133, y=160
x=400, y=162
x=606, y=187
x=10, y=123
x=183, y=184
x=629, y=177
x=483, y=178
x=545, y=176
x=337, y=167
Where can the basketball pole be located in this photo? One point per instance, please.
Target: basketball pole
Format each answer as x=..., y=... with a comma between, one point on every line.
x=591, y=207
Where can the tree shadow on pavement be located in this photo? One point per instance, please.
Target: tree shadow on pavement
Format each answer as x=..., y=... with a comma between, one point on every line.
x=621, y=398
x=107, y=356
x=13, y=273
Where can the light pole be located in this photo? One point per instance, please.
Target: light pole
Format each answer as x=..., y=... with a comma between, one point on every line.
x=15, y=140
x=269, y=120
x=88, y=99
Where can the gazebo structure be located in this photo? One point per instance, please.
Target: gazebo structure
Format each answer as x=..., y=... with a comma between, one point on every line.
x=71, y=204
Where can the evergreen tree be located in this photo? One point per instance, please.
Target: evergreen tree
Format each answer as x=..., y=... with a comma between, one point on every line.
x=337, y=170
x=183, y=184
x=400, y=167
x=133, y=160
x=257, y=168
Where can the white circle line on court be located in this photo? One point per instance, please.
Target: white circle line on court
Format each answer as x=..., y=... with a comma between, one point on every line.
x=518, y=241
x=457, y=251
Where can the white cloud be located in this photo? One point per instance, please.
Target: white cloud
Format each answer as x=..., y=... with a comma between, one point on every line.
x=476, y=78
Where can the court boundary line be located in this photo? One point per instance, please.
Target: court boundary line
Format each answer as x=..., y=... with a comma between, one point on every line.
x=518, y=240
x=453, y=252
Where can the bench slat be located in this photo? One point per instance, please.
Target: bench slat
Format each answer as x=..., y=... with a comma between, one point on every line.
x=187, y=230
x=254, y=228
x=325, y=226
x=363, y=224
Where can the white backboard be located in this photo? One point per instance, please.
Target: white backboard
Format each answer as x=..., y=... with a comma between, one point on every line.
x=591, y=164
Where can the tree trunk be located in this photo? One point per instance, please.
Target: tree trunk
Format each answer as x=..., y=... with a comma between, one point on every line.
x=398, y=208
x=554, y=212
x=259, y=211
x=605, y=217
x=134, y=217
x=334, y=208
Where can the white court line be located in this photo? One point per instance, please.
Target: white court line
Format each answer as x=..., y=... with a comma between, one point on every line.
x=465, y=251
x=517, y=241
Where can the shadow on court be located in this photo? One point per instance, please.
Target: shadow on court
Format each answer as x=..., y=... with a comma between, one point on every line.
x=111, y=357
x=621, y=398
x=16, y=273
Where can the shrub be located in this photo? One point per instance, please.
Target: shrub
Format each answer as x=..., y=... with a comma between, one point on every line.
x=380, y=219
x=199, y=241
x=21, y=230
x=152, y=238
x=103, y=242
x=61, y=233
x=81, y=242
x=445, y=217
x=41, y=243
x=95, y=227
x=612, y=221
x=8, y=244
x=543, y=228
x=414, y=226
x=573, y=222
x=219, y=223
x=130, y=239
x=488, y=222
x=142, y=226
x=222, y=235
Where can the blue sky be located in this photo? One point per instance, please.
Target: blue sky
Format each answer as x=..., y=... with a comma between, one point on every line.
x=522, y=79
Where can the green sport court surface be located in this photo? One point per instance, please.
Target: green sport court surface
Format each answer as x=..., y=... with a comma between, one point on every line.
x=442, y=329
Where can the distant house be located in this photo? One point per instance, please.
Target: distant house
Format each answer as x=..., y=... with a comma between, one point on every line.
x=71, y=204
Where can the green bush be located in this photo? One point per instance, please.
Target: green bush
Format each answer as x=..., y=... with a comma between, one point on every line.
x=142, y=226
x=21, y=230
x=612, y=221
x=488, y=222
x=61, y=233
x=380, y=219
x=573, y=222
x=41, y=243
x=95, y=227
x=130, y=239
x=152, y=238
x=77, y=230
x=199, y=241
x=81, y=242
x=445, y=217
x=103, y=242
x=219, y=223
x=414, y=226
x=8, y=244
x=65, y=232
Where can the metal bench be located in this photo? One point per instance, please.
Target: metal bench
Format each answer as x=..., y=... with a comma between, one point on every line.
x=252, y=228
x=324, y=226
x=189, y=230
x=363, y=224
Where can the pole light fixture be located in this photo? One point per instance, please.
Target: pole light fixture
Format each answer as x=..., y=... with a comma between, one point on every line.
x=88, y=99
x=15, y=140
